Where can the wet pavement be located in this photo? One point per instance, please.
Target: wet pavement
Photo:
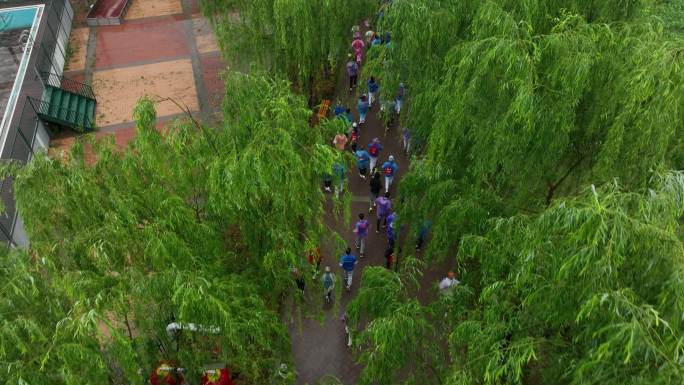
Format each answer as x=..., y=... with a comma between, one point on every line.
x=164, y=49
x=320, y=350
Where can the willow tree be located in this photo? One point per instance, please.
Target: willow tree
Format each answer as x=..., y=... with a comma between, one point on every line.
x=300, y=39
x=587, y=292
x=189, y=226
x=519, y=103
x=44, y=339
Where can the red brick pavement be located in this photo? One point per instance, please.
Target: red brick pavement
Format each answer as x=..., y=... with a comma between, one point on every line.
x=212, y=65
x=146, y=40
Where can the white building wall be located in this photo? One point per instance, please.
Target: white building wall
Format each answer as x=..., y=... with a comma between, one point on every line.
x=59, y=57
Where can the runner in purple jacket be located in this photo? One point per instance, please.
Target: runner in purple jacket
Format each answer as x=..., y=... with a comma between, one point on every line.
x=361, y=230
x=384, y=210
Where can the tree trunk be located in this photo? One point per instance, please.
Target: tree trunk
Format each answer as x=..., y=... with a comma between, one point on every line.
x=553, y=186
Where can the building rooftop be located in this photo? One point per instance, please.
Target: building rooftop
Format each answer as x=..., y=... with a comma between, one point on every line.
x=17, y=26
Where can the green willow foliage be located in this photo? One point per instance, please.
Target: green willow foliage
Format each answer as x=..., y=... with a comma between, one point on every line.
x=531, y=99
x=591, y=290
x=588, y=292
x=195, y=225
x=302, y=40
x=519, y=105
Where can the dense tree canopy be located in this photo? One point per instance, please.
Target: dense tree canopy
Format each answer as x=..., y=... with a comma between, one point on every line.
x=192, y=225
x=518, y=107
x=587, y=292
x=529, y=96
x=301, y=40
x=549, y=138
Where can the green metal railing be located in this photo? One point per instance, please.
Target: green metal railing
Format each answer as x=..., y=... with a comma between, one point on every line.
x=67, y=84
x=54, y=112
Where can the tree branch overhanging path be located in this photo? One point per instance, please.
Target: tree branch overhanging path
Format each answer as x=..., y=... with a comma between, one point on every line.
x=548, y=150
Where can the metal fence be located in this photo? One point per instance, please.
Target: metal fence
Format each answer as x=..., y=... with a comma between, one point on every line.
x=48, y=56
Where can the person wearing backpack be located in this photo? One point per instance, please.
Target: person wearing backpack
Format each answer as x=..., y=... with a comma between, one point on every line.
x=374, y=149
x=362, y=162
x=353, y=72
x=375, y=187
x=328, y=280
x=361, y=231
x=389, y=168
x=384, y=205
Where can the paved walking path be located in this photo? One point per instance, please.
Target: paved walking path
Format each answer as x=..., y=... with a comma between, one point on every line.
x=320, y=350
x=163, y=49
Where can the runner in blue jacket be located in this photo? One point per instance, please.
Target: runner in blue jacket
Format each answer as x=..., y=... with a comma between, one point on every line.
x=389, y=168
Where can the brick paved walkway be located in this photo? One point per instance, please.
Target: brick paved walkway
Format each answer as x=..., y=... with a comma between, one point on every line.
x=321, y=350
x=163, y=49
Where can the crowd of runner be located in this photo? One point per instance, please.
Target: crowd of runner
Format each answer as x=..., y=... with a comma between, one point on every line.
x=370, y=162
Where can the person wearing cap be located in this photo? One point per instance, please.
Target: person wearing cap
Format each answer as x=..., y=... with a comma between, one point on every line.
x=446, y=285
x=354, y=137
x=389, y=168
x=362, y=106
x=353, y=72
x=374, y=149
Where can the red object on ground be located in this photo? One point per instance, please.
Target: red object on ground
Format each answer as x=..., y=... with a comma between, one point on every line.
x=224, y=379
x=165, y=379
x=108, y=9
